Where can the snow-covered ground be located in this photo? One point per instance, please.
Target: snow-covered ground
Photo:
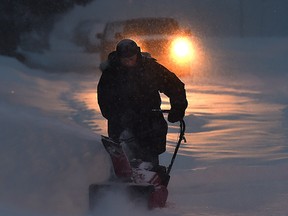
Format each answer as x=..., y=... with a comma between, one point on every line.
x=235, y=161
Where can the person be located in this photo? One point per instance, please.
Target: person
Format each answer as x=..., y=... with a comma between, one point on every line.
x=128, y=97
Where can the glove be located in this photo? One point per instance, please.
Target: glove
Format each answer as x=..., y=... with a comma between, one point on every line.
x=175, y=115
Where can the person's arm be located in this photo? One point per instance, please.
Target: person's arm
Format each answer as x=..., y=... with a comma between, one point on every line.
x=104, y=95
x=174, y=88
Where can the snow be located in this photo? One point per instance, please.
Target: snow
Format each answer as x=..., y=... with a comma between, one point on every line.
x=46, y=159
x=235, y=161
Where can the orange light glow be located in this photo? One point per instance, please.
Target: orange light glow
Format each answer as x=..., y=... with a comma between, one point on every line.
x=182, y=50
x=183, y=55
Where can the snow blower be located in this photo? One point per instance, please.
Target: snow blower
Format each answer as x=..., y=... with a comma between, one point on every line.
x=136, y=178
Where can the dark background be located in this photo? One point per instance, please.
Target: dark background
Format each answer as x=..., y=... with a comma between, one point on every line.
x=20, y=16
x=216, y=18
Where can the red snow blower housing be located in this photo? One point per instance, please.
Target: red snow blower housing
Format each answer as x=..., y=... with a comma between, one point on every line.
x=142, y=182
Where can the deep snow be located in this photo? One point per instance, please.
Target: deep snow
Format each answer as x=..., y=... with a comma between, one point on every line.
x=235, y=161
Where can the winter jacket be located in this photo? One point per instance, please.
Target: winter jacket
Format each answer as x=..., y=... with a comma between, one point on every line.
x=127, y=98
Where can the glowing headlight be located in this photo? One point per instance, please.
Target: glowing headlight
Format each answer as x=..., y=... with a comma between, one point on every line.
x=182, y=50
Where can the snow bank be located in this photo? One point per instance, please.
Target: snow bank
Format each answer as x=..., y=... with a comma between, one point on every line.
x=46, y=161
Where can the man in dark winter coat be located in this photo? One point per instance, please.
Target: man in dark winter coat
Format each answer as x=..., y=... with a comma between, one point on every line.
x=128, y=95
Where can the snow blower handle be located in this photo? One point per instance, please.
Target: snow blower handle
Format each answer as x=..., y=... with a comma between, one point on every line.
x=181, y=137
x=160, y=110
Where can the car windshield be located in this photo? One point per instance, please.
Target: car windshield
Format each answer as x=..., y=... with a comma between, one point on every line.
x=150, y=26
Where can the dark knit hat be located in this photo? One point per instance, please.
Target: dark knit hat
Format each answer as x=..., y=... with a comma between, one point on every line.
x=127, y=48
